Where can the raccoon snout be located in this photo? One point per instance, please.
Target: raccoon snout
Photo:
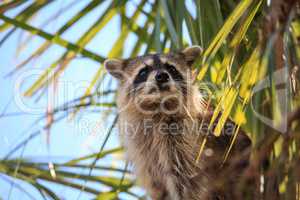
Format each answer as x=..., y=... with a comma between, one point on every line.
x=162, y=77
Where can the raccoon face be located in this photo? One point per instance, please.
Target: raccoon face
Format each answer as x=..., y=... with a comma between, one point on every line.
x=156, y=82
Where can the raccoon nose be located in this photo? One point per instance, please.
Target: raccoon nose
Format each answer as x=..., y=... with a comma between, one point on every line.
x=162, y=77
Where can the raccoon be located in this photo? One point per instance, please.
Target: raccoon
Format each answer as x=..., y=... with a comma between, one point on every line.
x=163, y=120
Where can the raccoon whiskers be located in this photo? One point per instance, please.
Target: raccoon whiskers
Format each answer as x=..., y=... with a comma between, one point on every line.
x=188, y=113
x=132, y=91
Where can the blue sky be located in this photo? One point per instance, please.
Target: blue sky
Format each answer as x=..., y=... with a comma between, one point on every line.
x=69, y=138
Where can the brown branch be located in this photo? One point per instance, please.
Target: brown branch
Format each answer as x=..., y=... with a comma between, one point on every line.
x=275, y=22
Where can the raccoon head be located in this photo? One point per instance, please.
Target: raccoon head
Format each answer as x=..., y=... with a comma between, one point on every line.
x=155, y=83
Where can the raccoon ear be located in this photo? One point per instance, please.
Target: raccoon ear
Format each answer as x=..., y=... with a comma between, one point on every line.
x=114, y=67
x=191, y=53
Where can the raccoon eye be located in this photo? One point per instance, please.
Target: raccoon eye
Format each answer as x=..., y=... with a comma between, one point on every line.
x=142, y=76
x=143, y=72
x=171, y=68
x=174, y=73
